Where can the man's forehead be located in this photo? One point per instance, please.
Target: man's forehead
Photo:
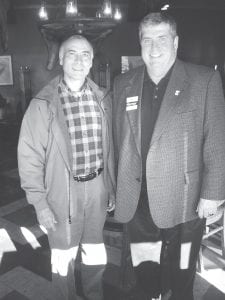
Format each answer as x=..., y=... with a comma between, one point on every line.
x=155, y=29
x=78, y=45
x=160, y=26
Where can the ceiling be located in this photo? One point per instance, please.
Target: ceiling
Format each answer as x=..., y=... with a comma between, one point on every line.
x=133, y=10
x=207, y=4
x=55, y=3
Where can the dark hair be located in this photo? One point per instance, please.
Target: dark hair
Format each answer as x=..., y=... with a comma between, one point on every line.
x=156, y=18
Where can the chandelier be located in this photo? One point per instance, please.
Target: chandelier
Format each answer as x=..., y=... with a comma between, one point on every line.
x=107, y=10
x=57, y=22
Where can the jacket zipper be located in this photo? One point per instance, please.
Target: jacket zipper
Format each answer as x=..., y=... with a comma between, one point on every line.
x=68, y=195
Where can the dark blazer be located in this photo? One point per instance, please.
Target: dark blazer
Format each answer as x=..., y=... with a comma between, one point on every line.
x=186, y=158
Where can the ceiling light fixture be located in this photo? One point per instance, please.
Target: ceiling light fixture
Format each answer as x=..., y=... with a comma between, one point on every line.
x=58, y=22
x=71, y=8
x=43, y=15
x=105, y=11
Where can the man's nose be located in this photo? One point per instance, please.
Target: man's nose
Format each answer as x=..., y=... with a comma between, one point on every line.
x=155, y=48
x=78, y=58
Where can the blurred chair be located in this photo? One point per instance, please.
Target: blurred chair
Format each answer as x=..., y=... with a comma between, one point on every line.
x=214, y=224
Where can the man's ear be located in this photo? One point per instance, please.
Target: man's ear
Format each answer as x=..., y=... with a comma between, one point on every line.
x=60, y=60
x=176, y=42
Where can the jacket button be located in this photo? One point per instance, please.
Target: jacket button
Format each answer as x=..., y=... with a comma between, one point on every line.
x=138, y=179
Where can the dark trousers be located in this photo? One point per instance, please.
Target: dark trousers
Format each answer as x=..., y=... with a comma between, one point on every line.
x=175, y=270
x=178, y=278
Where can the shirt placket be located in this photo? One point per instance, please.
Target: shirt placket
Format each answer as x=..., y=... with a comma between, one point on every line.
x=84, y=136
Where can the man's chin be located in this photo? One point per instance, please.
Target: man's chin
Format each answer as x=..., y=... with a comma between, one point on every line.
x=78, y=76
x=156, y=62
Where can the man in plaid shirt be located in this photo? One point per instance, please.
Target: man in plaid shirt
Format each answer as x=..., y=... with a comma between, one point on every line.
x=66, y=166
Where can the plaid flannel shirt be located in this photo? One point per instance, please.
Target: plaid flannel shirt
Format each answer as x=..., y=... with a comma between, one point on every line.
x=83, y=119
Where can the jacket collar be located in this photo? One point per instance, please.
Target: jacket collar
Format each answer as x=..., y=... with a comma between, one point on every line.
x=50, y=92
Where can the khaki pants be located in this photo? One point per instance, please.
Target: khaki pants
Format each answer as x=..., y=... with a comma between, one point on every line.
x=86, y=231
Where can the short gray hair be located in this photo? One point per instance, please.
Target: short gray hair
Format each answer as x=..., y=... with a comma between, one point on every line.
x=75, y=37
x=156, y=18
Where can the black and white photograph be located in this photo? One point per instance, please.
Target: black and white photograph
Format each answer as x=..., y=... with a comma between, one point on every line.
x=112, y=149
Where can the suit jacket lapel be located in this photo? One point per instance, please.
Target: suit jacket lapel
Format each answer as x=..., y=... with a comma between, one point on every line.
x=134, y=89
x=171, y=99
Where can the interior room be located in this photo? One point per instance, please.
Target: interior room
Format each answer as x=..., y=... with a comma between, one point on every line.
x=30, y=35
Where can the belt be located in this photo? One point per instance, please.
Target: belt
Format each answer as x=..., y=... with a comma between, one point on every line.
x=82, y=178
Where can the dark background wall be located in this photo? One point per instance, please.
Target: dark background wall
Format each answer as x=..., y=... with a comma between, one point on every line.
x=201, y=38
x=202, y=41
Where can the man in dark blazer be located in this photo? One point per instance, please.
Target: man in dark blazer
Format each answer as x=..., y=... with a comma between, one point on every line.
x=169, y=132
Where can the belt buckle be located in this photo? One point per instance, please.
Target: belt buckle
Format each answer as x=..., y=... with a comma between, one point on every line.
x=79, y=178
x=88, y=177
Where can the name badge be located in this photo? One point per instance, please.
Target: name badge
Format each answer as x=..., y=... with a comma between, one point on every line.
x=131, y=103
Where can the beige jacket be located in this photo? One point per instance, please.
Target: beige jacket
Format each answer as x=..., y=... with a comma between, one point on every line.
x=45, y=154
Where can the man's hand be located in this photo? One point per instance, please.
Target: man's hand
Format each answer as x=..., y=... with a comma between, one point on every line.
x=207, y=208
x=111, y=204
x=46, y=218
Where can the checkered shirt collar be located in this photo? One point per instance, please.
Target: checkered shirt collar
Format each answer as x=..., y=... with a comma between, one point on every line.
x=77, y=94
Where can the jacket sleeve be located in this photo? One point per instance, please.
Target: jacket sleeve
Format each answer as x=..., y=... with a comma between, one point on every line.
x=213, y=180
x=111, y=162
x=116, y=119
x=32, y=147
